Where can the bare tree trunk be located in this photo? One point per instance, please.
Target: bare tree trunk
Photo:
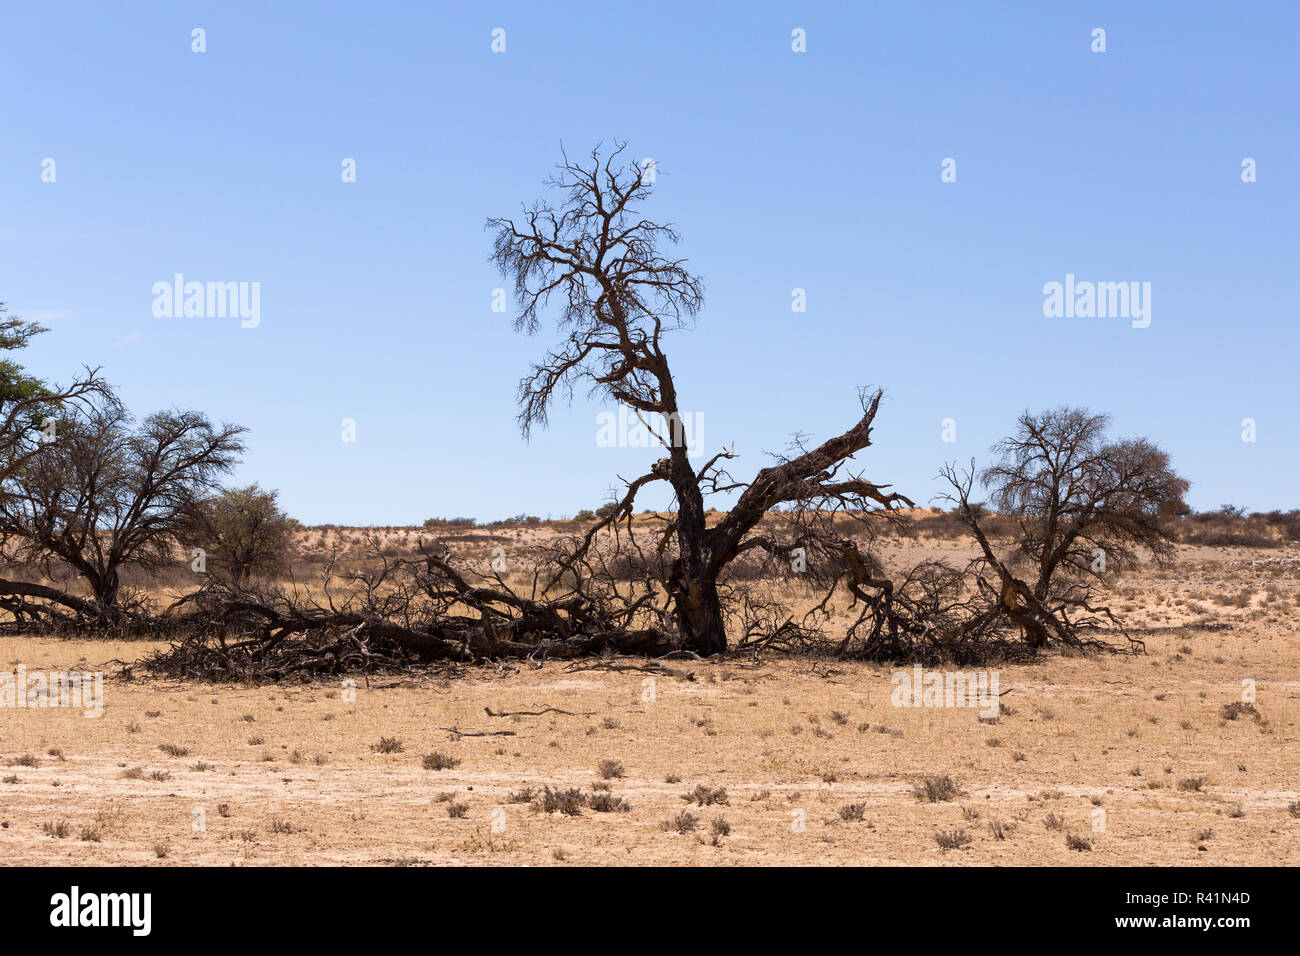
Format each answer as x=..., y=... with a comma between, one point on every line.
x=105, y=588
x=694, y=575
x=699, y=612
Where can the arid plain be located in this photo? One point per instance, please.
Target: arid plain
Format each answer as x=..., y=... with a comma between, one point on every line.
x=1093, y=759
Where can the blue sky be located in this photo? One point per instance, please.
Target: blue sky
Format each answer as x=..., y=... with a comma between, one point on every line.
x=783, y=170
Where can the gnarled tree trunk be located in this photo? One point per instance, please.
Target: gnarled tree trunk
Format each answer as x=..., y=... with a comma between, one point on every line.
x=699, y=612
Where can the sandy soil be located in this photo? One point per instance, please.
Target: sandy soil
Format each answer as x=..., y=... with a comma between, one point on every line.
x=296, y=774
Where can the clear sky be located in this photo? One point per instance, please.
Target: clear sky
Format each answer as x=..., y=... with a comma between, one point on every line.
x=818, y=170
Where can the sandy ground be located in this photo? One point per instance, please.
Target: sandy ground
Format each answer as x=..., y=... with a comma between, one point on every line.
x=1109, y=748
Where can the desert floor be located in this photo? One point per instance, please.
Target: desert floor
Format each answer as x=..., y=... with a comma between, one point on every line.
x=1132, y=753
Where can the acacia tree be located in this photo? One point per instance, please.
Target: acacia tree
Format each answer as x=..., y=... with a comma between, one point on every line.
x=105, y=496
x=27, y=404
x=28, y=408
x=616, y=295
x=1084, y=506
x=244, y=531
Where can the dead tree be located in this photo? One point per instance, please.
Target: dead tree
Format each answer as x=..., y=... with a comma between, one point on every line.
x=616, y=296
x=397, y=611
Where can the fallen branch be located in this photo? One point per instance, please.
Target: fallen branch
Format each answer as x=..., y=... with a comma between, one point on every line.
x=478, y=733
x=652, y=667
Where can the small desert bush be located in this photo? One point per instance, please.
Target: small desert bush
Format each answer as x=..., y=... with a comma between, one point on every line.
x=607, y=803
x=440, y=761
x=706, y=796
x=568, y=802
x=1237, y=709
x=683, y=822
x=1075, y=842
x=952, y=839
x=937, y=789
